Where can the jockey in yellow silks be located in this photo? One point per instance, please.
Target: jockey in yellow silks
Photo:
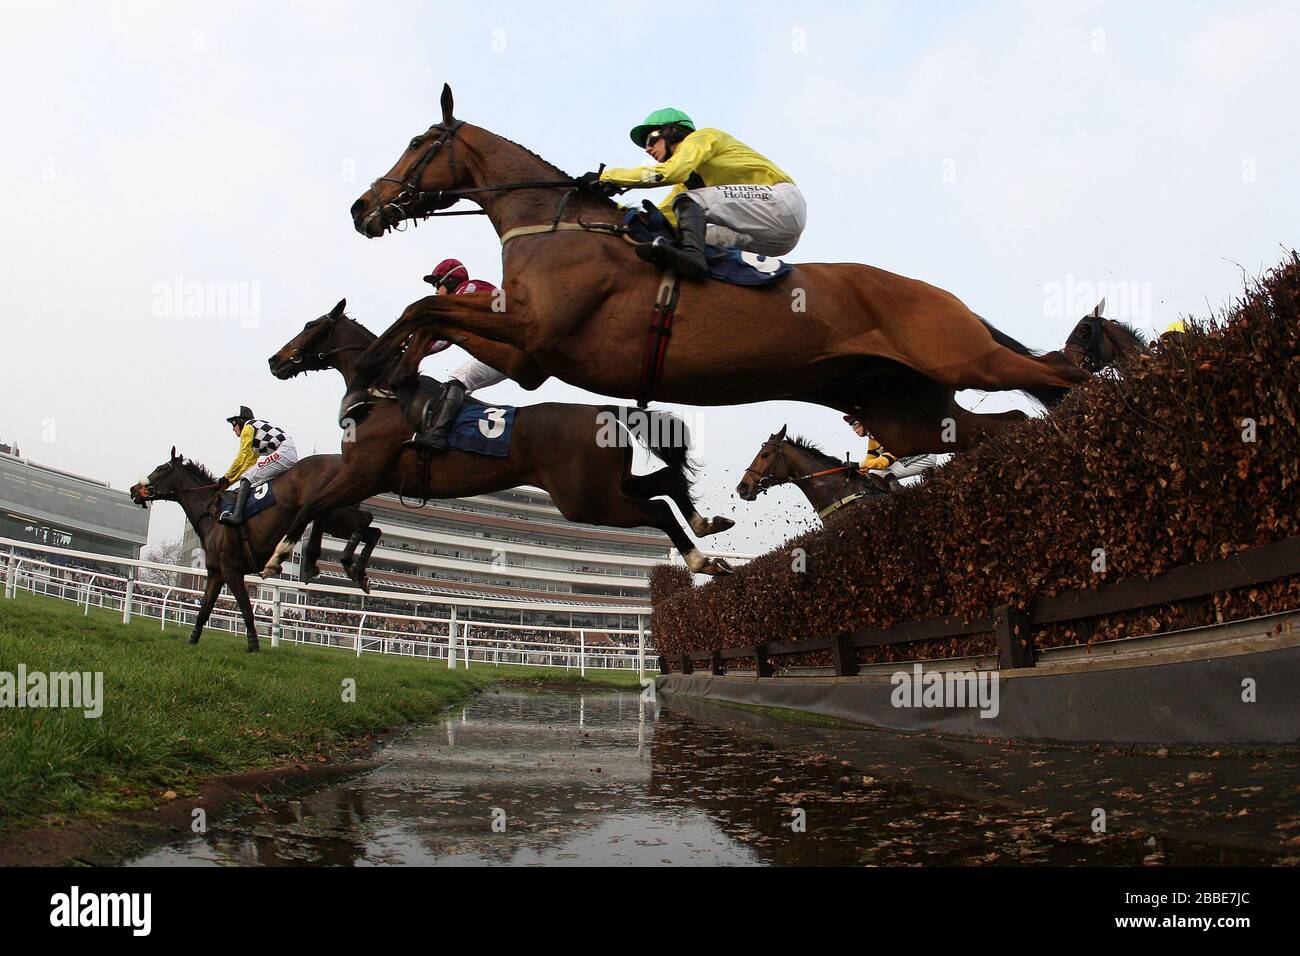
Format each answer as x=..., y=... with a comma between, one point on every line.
x=725, y=193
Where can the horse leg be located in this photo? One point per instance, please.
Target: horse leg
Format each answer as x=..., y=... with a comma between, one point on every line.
x=210, y=592
x=311, y=553
x=579, y=501
x=518, y=364
x=371, y=537
x=673, y=484
x=340, y=492
x=238, y=588
x=1047, y=377
x=442, y=316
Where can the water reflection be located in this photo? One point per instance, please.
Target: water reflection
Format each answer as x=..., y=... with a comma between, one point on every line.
x=550, y=779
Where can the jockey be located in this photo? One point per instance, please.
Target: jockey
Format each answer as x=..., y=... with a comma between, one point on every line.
x=450, y=277
x=883, y=468
x=724, y=193
x=264, y=452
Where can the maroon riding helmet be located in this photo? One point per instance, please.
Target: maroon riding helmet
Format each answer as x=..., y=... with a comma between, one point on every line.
x=448, y=275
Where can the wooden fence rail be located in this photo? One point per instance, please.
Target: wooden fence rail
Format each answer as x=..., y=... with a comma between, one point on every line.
x=1013, y=627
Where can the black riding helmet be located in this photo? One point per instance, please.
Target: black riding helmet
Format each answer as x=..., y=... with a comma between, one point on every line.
x=244, y=416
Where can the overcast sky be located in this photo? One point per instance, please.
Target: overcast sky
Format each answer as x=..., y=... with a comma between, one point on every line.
x=1026, y=156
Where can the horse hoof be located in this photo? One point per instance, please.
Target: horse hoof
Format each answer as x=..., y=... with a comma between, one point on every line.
x=717, y=566
x=718, y=524
x=270, y=571
x=193, y=640
x=253, y=648
x=364, y=583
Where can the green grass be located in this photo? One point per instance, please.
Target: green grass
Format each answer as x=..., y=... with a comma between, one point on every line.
x=174, y=715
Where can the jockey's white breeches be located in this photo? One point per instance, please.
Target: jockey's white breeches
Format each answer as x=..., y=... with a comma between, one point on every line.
x=276, y=463
x=767, y=220
x=475, y=375
x=907, y=467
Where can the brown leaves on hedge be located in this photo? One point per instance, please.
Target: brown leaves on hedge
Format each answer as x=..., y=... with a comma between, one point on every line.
x=1148, y=462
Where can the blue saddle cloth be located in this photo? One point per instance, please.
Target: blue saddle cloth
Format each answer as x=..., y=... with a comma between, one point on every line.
x=483, y=429
x=259, y=499
x=725, y=262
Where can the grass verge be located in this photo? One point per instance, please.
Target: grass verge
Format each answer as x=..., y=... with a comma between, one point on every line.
x=175, y=715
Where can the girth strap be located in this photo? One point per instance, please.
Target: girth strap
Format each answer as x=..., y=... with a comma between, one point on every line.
x=661, y=329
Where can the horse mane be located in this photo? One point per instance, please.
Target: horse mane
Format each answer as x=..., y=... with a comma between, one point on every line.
x=196, y=468
x=606, y=201
x=360, y=326
x=805, y=445
x=1132, y=331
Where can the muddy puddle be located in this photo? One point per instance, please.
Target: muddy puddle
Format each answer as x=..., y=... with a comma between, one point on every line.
x=609, y=778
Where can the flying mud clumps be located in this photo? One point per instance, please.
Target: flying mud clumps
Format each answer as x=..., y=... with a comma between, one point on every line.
x=1189, y=452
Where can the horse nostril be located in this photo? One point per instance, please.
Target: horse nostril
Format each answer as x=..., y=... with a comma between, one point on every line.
x=358, y=208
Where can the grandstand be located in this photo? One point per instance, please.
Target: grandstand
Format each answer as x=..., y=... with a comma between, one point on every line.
x=47, y=506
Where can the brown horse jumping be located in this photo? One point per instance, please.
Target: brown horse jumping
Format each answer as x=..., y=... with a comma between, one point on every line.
x=227, y=561
x=578, y=453
x=828, y=483
x=890, y=350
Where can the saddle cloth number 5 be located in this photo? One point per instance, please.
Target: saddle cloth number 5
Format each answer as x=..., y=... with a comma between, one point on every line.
x=493, y=422
x=261, y=490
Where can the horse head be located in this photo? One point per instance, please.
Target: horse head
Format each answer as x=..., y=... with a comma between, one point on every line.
x=1097, y=342
x=415, y=186
x=312, y=349
x=768, y=468
x=163, y=483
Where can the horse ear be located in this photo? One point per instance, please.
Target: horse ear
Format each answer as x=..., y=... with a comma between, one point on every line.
x=338, y=309
x=1101, y=307
x=173, y=452
x=781, y=434
x=447, y=103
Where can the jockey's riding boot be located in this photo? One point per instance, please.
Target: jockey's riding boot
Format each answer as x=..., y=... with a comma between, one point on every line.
x=437, y=425
x=236, y=514
x=688, y=256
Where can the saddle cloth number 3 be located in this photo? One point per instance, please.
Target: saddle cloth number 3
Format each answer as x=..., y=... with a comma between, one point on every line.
x=493, y=422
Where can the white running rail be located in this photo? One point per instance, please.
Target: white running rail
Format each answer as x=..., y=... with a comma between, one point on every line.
x=449, y=633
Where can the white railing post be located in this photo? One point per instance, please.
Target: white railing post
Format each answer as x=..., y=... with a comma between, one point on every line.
x=89, y=586
x=275, y=616
x=640, y=647
x=451, y=644
x=582, y=653
x=130, y=594
x=162, y=618
x=11, y=572
x=360, y=628
x=464, y=640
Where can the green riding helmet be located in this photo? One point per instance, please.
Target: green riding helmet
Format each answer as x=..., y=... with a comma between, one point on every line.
x=660, y=118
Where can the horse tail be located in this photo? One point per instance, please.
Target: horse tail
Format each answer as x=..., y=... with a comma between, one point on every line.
x=666, y=435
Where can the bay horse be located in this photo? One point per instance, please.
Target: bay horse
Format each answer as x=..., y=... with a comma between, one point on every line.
x=577, y=453
x=889, y=350
x=225, y=556
x=828, y=483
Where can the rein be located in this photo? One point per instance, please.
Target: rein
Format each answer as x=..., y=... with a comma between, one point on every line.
x=766, y=481
x=411, y=193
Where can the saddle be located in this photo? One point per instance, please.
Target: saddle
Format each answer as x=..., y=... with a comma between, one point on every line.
x=726, y=263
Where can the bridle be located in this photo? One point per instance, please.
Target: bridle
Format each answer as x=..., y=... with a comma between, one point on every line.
x=766, y=480
x=411, y=193
x=1088, y=340
x=148, y=492
x=296, y=356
